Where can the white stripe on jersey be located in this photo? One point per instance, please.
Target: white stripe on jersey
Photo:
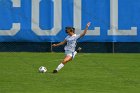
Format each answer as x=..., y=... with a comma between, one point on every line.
x=71, y=42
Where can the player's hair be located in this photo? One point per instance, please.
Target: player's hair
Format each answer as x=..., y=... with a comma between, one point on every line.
x=70, y=28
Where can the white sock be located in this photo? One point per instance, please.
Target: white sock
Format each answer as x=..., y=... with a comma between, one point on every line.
x=75, y=52
x=60, y=66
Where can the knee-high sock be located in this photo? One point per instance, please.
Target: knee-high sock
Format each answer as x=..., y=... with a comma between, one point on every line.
x=74, y=53
x=60, y=66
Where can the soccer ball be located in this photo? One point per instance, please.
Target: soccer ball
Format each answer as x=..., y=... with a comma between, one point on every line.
x=42, y=69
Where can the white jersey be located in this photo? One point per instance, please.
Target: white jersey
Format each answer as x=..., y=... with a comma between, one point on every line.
x=71, y=42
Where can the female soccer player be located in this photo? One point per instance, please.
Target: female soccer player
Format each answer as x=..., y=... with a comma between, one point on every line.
x=70, y=46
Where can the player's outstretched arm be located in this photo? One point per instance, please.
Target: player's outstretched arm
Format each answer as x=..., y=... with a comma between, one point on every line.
x=61, y=43
x=85, y=31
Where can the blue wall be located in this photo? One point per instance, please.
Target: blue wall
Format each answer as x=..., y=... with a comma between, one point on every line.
x=96, y=11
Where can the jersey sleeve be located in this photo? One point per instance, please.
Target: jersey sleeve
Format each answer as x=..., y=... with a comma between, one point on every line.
x=77, y=37
x=66, y=38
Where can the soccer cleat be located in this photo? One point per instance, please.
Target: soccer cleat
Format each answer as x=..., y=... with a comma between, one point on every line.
x=79, y=49
x=54, y=71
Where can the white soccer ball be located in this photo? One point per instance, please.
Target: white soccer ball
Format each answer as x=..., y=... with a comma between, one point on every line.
x=42, y=69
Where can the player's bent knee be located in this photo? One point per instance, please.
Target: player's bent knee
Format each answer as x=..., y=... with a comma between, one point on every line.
x=64, y=62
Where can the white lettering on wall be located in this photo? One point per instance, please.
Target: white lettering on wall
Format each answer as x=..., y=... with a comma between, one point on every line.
x=114, y=22
x=77, y=19
x=15, y=26
x=57, y=18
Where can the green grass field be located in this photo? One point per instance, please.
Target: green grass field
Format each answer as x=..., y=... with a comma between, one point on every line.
x=87, y=73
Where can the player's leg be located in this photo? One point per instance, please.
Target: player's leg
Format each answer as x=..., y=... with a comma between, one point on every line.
x=69, y=57
x=75, y=52
x=61, y=65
